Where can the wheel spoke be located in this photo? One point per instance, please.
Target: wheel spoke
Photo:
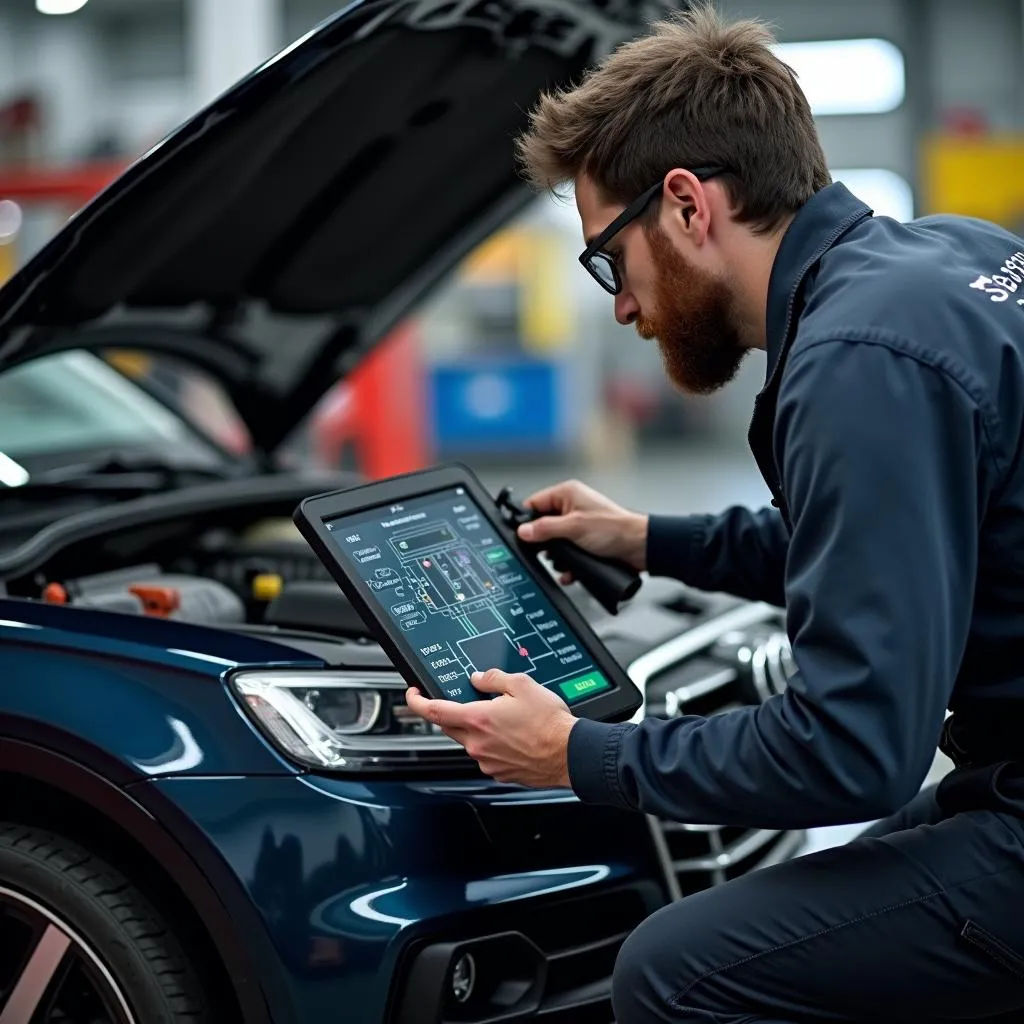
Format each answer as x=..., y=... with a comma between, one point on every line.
x=35, y=979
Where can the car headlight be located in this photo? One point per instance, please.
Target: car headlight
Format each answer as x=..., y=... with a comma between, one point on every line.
x=344, y=721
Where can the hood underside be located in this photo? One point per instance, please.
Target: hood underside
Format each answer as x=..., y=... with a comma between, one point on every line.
x=291, y=224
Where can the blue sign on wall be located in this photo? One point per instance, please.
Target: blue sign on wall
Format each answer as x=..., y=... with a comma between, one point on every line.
x=497, y=405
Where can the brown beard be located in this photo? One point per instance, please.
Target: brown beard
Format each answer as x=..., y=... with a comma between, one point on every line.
x=692, y=321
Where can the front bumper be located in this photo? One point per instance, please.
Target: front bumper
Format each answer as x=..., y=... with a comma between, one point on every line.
x=371, y=893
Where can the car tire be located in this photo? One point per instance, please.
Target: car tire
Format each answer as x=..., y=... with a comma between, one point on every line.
x=89, y=937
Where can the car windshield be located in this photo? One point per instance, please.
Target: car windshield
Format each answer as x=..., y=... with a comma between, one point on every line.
x=74, y=402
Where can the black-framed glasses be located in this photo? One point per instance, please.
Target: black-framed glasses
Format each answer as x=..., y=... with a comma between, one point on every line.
x=600, y=264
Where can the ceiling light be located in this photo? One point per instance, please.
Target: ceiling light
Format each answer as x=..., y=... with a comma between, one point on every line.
x=847, y=76
x=11, y=474
x=886, y=192
x=11, y=218
x=59, y=6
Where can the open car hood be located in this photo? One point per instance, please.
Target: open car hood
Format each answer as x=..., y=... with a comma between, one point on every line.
x=293, y=222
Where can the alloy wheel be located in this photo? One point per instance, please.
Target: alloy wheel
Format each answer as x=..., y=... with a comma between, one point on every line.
x=49, y=974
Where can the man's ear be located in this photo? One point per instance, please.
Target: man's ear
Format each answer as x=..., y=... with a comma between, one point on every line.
x=690, y=202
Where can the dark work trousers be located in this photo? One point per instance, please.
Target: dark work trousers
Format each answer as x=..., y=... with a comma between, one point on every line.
x=917, y=921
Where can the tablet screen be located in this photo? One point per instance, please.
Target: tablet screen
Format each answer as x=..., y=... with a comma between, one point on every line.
x=460, y=598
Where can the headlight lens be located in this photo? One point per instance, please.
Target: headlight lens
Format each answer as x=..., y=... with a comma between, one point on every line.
x=344, y=721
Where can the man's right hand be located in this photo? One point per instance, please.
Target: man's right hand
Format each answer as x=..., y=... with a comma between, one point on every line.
x=573, y=511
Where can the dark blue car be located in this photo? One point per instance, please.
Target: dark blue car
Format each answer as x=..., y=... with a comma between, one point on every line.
x=214, y=806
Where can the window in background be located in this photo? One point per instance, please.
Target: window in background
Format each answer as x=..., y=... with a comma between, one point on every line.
x=72, y=401
x=299, y=16
x=150, y=78
x=847, y=76
x=886, y=192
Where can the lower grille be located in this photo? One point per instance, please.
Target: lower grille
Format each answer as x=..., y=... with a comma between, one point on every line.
x=739, y=659
x=695, y=857
x=550, y=962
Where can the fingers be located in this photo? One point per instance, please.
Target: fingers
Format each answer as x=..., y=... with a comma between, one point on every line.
x=554, y=499
x=448, y=714
x=551, y=528
x=496, y=681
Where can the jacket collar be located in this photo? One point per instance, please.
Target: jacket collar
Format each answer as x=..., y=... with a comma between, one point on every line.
x=817, y=226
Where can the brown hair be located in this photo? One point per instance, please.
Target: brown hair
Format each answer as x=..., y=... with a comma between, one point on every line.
x=696, y=91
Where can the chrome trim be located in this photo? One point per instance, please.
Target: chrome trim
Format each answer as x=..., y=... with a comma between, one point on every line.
x=718, y=875
x=730, y=855
x=679, y=826
x=701, y=688
x=776, y=649
x=323, y=678
x=656, y=660
x=768, y=665
x=664, y=856
x=415, y=743
x=788, y=662
x=759, y=672
x=784, y=850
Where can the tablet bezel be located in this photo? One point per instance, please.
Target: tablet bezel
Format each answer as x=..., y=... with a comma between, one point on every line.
x=618, y=704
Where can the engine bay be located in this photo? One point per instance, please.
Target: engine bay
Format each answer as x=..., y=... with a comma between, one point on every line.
x=228, y=556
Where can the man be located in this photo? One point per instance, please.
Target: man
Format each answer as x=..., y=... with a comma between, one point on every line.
x=889, y=432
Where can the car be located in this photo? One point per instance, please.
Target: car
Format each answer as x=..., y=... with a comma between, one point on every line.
x=174, y=844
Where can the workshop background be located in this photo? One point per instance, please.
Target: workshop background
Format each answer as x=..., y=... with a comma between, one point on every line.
x=515, y=365
x=518, y=366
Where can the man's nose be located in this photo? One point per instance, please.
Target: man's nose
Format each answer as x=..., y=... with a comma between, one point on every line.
x=627, y=309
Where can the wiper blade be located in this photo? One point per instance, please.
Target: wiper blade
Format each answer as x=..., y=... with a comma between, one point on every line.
x=121, y=465
x=115, y=477
x=100, y=486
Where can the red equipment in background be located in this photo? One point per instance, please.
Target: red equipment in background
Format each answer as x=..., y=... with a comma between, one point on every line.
x=69, y=188
x=380, y=410
x=21, y=123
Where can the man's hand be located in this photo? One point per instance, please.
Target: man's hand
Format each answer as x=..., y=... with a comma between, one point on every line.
x=578, y=513
x=521, y=736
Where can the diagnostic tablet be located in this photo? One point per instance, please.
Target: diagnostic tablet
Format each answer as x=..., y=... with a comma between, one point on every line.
x=447, y=589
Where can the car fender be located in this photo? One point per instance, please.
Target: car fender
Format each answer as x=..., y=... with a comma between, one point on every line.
x=184, y=855
x=150, y=693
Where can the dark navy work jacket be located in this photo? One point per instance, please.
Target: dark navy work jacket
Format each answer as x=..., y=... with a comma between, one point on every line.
x=889, y=433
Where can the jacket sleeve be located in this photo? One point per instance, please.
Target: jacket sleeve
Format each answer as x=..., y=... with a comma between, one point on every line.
x=739, y=552
x=880, y=457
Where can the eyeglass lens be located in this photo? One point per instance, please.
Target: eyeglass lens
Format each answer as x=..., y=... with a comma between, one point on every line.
x=604, y=270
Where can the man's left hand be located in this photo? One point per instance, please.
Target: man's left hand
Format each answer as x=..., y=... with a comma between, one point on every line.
x=520, y=736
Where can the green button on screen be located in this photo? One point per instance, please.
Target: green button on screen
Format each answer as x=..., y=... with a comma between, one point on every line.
x=584, y=686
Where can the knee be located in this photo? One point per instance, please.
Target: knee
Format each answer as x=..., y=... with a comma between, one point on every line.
x=630, y=980
x=650, y=970
x=626, y=977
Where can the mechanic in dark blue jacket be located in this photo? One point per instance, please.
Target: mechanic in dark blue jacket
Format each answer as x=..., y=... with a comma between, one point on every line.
x=889, y=432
